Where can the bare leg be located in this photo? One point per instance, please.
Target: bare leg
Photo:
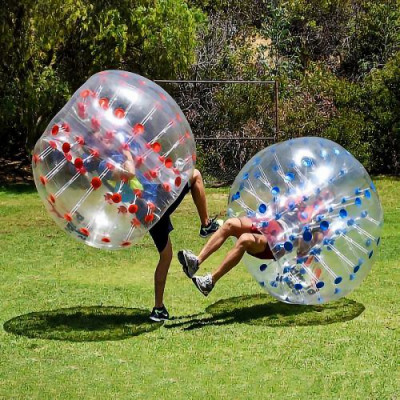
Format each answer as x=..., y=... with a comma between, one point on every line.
x=161, y=272
x=252, y=243
x=199, y=196
x=231, y=227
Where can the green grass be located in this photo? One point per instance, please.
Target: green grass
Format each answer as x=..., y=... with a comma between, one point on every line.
x=73, y=321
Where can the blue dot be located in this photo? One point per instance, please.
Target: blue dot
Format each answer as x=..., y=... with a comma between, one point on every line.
x=264, y=224
x=288, y=246
x=292, y=205
x=275, y=190
x=317, y=191
x=371, y=253
x=342, y=172
x=320, y=285
x=361, y=261
x=273, y=284
x=337, y=290
x=320, y=299
x=343, y=200
x=367, y=194
x=330, y=209
x=286, y=270
x=338, y=280
x=350, y=222
x=262, y=208
x=262, y=284
x=307, y=236
x=290, y=176
x=246, y=176
x=368, y=242
x=257, y=174
x=251, y=213
x=358, y=202
x=241, y=187
x=307, y=162
x=336, y=151
x=257, y=160
x=378, y=241
x=357, y=191
x=275, y=168
x=263, y=267
x=286, y=279
x=352, y=277
x=277, y=216
x=324, y=225
x=302, y=271
x=237, y=195
x=364, y=213
x=342, y=213
x=298, y=286
x=372, y=186
x=304, y=215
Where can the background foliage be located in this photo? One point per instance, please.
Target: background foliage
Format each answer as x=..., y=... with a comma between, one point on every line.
x=337, y=62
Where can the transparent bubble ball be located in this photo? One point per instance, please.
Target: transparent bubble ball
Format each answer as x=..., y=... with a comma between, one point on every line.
x=320, y=213
x=106, y=165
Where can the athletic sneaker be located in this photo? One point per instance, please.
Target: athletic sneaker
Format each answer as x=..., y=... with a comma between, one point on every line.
x=189, y=261
x=204, y=283
x=159, y=314
x=209, y=229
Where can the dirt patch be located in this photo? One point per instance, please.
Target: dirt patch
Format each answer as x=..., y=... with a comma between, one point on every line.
x=15, y=171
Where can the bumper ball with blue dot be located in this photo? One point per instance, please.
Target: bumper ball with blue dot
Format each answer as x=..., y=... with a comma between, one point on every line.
x=329, y=214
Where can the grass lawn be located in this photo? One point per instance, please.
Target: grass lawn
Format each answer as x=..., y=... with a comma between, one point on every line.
x=73, y=320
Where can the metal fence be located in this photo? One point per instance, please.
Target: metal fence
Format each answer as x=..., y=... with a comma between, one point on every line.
x=230, y=121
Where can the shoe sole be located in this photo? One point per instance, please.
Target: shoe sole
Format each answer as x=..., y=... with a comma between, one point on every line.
x=155, y=319
x=182, y=260
x=199, y=288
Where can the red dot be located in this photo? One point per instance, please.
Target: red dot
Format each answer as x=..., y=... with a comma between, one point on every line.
x=85, y=93
x=167, y=187
x=35, y=158
x=135, y=222
x=148, y=146
x=126, y=243
x=95, y=123
x=96, y=182
x=178, y=117
x=78, y=163
x=68, y=217
x=133, y=208
x=162, y=159
x=68, y=156
x=106, y=239
x=137, y=192
x=52, y=144
x=54, y=130
x=153, y=174
x=148, y=218
x=66, y=127
x=109, y=135
x=194, y=157
x=43, y=179
x=66, y=147
x=84, y=231
x=110, y=166
x=187, y=134
x=168, y=163
x=138, y=129
x=95, y=153
x=178, y=181
x=116, y=197
x=119, y=113
x=151, y=206
x=80, y=140
x=52, y=198
x=163, y=97
x=156, y=147
x=82, y=171
x=139, y=161
x=104, y=103
x=125, y=146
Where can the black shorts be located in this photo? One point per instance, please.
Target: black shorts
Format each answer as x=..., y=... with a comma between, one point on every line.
x=160, y=231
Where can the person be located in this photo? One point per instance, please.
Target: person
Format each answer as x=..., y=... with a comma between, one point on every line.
x=253, y=236
x=160, y=235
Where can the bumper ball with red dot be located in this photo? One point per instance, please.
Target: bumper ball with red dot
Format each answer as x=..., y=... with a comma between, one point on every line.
x=113, y=160
x=320, y=213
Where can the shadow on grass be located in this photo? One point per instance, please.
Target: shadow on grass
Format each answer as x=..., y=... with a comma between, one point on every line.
x=265, y=311
x=83, y=324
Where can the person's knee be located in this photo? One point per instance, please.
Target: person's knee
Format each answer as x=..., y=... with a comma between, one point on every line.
x=231, y=226
x=196, y=176
x=245, y=241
